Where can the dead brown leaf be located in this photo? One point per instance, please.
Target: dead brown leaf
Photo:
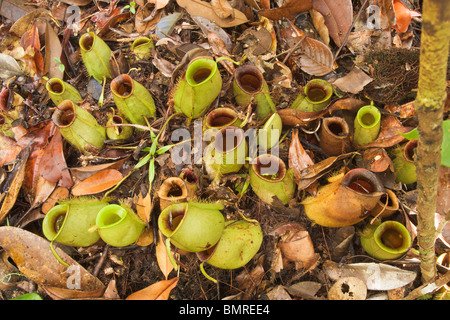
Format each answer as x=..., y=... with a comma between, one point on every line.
x=205, y=9
x=299, y=159
x=146, y=238
x=295, y=117
x=376, y=160
x=144, y=207
x=354, y=81
x=289, y=10
x=157, y=291
x=314, y=172
x=82, y=173
x=338, y=16
x=77, y=2
x=312, y=56
x=52, y=165
x=35, y=259
x=296, y=245
x=58, y=293
x=404, y=111
x=222, y=8
x=16, y=184
x=58, y=194
x=53, y=49
x=319, y=24
x=98, y=182
x=162, y=258
x=219, y=49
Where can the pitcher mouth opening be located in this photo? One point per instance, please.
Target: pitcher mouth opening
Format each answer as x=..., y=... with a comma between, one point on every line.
x=317, y=91
x=173, y=217
x=55, y=86
x=117, y=120
x=200, y=70
x=368, y=116
x=189, y=176
x=269, y=168
x=392, y=237
x=336, y=127
x=87, y=41
x=122, y=86
x=141, y=41
x=409, y=150
x=56, y=223
x=110, y=216
x=363, y=181
x=220, y=117
x=65, y=114
x=228, y=139
x=249, y=79
x=173, y=188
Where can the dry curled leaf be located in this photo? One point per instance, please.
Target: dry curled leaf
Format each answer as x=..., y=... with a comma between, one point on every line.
x=402, y=17
x=58, y=194
x=312, y=173
x=299, y=159
x=312, y=56
x=157, y=291
x=295, y=117
x=58, y=293
x=16, y=184
x=144, y=207
x=35, y=259
x=98, y=182
x=296, y=245
x=377, y=160
x=222, y=8
x=338, y=16
x=82, y=173
x=289, y=10
x=205, y=9
x=305, y=290
x=316, y=58
x=376, y=276
x=52, y=165
x=354, y=81
x=162, y=258
x=319, y=24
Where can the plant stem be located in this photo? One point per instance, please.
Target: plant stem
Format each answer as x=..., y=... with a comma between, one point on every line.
x=430, y=105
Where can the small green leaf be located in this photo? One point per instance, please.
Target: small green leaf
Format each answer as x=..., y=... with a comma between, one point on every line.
x=164, y=149
x=151, y=171
x=28, y=296
x=143, y=161
x=413, y=134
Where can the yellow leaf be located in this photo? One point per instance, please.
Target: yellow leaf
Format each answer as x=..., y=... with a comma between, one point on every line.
x=98, y=182
x=144, y=207
x=163, y=259
x=146, y=238
x=157, y=291
x=16, y=185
